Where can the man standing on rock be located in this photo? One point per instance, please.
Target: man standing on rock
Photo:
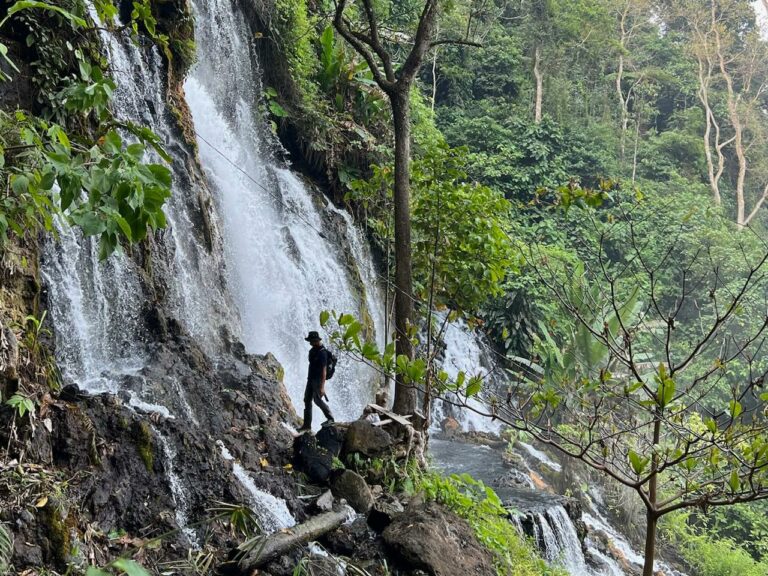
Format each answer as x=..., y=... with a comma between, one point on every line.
x=318, y=363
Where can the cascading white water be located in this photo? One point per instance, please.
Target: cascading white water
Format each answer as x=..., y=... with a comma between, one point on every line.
x=272, y=512
x=97, y=307
x=465, y=351
x=282, y=272
x=540, y=456
x=568, y=543
x=596, y=522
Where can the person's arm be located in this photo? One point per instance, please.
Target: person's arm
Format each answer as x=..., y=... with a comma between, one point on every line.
x=322, y=382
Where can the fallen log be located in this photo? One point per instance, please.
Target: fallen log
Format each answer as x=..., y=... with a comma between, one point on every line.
x=279, y=543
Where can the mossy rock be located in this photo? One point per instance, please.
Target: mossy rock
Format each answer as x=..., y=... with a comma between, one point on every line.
x=144, y=441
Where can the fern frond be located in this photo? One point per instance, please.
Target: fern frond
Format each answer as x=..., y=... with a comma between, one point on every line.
x=6, y=549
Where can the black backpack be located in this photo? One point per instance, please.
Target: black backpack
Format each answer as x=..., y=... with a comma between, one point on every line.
x=330, y=368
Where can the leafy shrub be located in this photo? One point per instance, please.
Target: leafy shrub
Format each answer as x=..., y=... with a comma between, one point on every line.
x=707, y=555
x=481, y=507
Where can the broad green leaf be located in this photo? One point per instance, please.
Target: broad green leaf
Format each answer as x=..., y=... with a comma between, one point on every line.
x=27, y=4
x=324, y=316
x=474, y=386
x=734, y=482
x=638, y=462
x=130, y=567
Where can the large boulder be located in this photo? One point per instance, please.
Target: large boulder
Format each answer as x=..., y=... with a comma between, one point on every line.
x=315, y=461
x=433, y=539
x=365, y=438
x=353, y=488
x=331, y=438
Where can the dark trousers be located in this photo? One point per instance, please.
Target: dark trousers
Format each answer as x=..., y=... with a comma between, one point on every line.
x=312, y=393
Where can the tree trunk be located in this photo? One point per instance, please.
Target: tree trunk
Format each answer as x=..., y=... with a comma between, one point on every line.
x=277, y=544
x=405, y=395
x=652, y=516
x=539, y=85
x=736, y=122
x=650, y=543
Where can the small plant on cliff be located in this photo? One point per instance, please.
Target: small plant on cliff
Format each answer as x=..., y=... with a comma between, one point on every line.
x=482, y=508
x=97, y=181
x=6, y=549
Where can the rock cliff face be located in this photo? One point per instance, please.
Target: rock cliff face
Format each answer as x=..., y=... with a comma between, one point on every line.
x=148, y=411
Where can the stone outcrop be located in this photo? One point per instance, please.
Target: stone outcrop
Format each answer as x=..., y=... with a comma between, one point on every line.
x=353, y=488
x=384, y=511
x=432, y=539
x=366, y=439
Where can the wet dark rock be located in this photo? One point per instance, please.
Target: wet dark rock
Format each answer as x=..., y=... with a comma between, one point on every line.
x=351, y=539
x=315, y=461
x=331, y=438
x=513, y=479
x=383, y=512
x=71, y=393
x=353, y=488
x=431, y=538
x=365, y=438
x=27, y=554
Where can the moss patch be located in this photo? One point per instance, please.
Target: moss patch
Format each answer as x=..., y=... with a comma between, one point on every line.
x=142, y=437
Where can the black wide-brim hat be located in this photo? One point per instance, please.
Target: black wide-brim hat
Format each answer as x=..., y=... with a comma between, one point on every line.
x=313, y=336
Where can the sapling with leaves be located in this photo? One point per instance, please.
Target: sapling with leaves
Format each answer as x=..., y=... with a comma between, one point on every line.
x=632, y=392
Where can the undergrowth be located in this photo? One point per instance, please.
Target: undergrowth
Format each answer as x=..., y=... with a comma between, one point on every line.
x=481, y=507
x=706, y=555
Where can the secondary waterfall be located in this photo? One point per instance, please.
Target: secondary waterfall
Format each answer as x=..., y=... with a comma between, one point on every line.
x=467, y=351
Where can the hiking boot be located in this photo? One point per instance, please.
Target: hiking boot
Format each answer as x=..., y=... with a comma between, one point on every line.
x=328, y=422
x=304, y=429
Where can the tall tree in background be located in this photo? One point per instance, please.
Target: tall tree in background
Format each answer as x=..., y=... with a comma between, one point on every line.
x=362, y=32
x=732, y=62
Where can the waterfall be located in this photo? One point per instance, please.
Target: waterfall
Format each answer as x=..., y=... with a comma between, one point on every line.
x=281, y=270
x=97, y=307
x=467, y=351
x=256, y=265
x=272, y=512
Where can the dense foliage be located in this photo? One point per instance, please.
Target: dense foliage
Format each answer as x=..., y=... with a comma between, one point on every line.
x=481, y=507
x=68, y=155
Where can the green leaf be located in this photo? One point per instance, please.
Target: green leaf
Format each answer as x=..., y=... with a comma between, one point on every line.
x=638, y=462
x=27, y=4
x=19, y=184
x=277, y=110
x=130, y=567
x=93, y=571
x=734, y=482
x=370, y=351
x=324, y=316
x=474, y=386
x=735, y=408
x=353, y=330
